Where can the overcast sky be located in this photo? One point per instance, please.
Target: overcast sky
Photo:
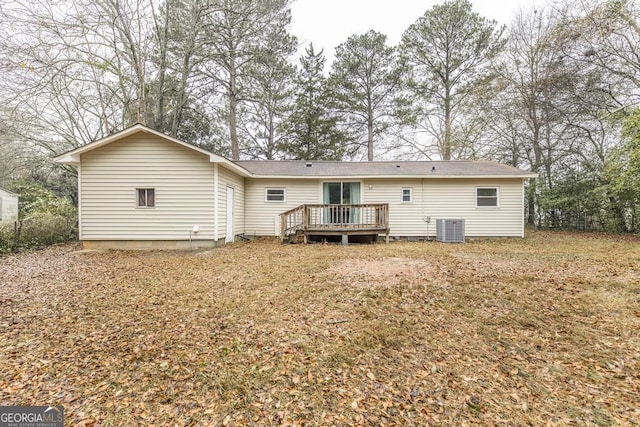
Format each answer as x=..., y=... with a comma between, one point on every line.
x=328, y=23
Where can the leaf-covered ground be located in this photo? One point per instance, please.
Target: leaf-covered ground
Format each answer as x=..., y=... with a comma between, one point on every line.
x=540, y=331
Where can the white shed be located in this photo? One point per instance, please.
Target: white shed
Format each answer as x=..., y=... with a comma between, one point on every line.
x=8, y=205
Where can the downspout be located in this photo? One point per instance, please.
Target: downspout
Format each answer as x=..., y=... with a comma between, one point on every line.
x=80, y=202
x=522, y=210
x=216, y=203
x=424, y=217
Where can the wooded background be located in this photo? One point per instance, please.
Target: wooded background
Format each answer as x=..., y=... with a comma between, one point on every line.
x=555, y=92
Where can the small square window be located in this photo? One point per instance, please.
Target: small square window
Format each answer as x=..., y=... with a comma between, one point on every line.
x=146, y=197
x=406, y=195
x=275, y=195
x=486, y=197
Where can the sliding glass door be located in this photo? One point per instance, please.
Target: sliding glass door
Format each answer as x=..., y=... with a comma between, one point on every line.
x=341, y=193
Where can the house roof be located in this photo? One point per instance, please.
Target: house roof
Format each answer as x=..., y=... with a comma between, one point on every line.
x=317, y=168
x=382, y=169
x=9, y=193
x=73, y=157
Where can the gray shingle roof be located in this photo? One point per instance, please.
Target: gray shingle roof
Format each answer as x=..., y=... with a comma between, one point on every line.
x=423, y=169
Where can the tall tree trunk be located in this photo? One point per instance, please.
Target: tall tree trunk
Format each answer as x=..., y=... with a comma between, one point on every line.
x=531, y=202
x=181, y=97
x=163, y=35
x=233, y=112
x=619, y=221
x=270, y=151
x=446, y=149
x=370, y=136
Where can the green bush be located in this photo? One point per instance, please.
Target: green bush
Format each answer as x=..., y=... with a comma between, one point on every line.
x=39, y=229
x=47, y=228
x=6, y=237
x=45, y=219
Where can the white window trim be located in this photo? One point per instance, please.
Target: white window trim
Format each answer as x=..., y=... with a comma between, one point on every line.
x=342, y=180
x=410, y=195
x=155, y=197
x=284, y=193
x=488, y=188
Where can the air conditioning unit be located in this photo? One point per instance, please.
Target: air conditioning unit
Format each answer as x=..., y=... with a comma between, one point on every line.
x=450, y=230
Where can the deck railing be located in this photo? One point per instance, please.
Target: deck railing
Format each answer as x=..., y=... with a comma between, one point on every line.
x=338, y=218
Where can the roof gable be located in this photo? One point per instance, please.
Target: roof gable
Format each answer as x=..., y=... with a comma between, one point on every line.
x=73, y=157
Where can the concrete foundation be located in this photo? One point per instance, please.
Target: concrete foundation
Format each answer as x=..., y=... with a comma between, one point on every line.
x=150, y=244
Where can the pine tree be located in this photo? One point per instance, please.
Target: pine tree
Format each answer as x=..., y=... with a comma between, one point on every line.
x=240, y=33
x=364, y=80
x=447, y=49
x=311, y=131
x=270, y=94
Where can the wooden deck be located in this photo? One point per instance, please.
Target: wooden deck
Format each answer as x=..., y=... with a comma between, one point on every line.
x=335, y=220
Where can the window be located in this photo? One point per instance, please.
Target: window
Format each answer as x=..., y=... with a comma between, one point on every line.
x=275, y=195
x=146, y=197
x=486, y=197
x=406, y=195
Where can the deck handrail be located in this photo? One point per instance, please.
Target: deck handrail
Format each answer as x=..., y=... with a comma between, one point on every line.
x=291, y=221
x=327, y=217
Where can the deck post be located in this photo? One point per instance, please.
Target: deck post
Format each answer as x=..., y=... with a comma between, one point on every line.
x=306, y=214
x=345, y=239
x=283, y=226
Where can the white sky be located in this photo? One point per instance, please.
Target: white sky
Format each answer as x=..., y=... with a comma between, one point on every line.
x=328, y=23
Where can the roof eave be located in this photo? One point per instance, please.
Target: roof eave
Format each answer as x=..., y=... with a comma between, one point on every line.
x=67, y=159
x=10, y=193
x=431, y=176
x=231, y=165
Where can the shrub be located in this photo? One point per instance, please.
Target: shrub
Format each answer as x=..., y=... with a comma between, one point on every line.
x=6, y=237
x=45, y=219
x=47, y=228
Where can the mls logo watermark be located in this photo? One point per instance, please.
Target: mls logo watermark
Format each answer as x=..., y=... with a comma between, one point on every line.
x=31, y=416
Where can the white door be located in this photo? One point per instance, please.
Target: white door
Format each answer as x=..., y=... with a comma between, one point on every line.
x=230, y=233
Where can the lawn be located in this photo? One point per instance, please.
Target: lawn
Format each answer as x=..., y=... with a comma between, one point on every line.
x=540, y=331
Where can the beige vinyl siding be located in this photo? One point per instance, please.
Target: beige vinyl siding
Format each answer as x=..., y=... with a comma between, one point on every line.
x=260, y=215
x=449, y=198
x=183, y=183
x=227, y=178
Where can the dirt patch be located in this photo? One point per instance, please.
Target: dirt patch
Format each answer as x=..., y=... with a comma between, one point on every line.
x=385, y=272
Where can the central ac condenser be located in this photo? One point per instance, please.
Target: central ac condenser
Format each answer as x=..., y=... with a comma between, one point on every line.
x=450, y=230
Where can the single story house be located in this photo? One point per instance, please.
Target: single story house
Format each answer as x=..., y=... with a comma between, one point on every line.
x=139, y=188
x=8, y=206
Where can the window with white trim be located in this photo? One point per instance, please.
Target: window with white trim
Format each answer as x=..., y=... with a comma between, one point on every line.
x=486, y=197
x=145, y=197
x=275, y=195
x=407, y=195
